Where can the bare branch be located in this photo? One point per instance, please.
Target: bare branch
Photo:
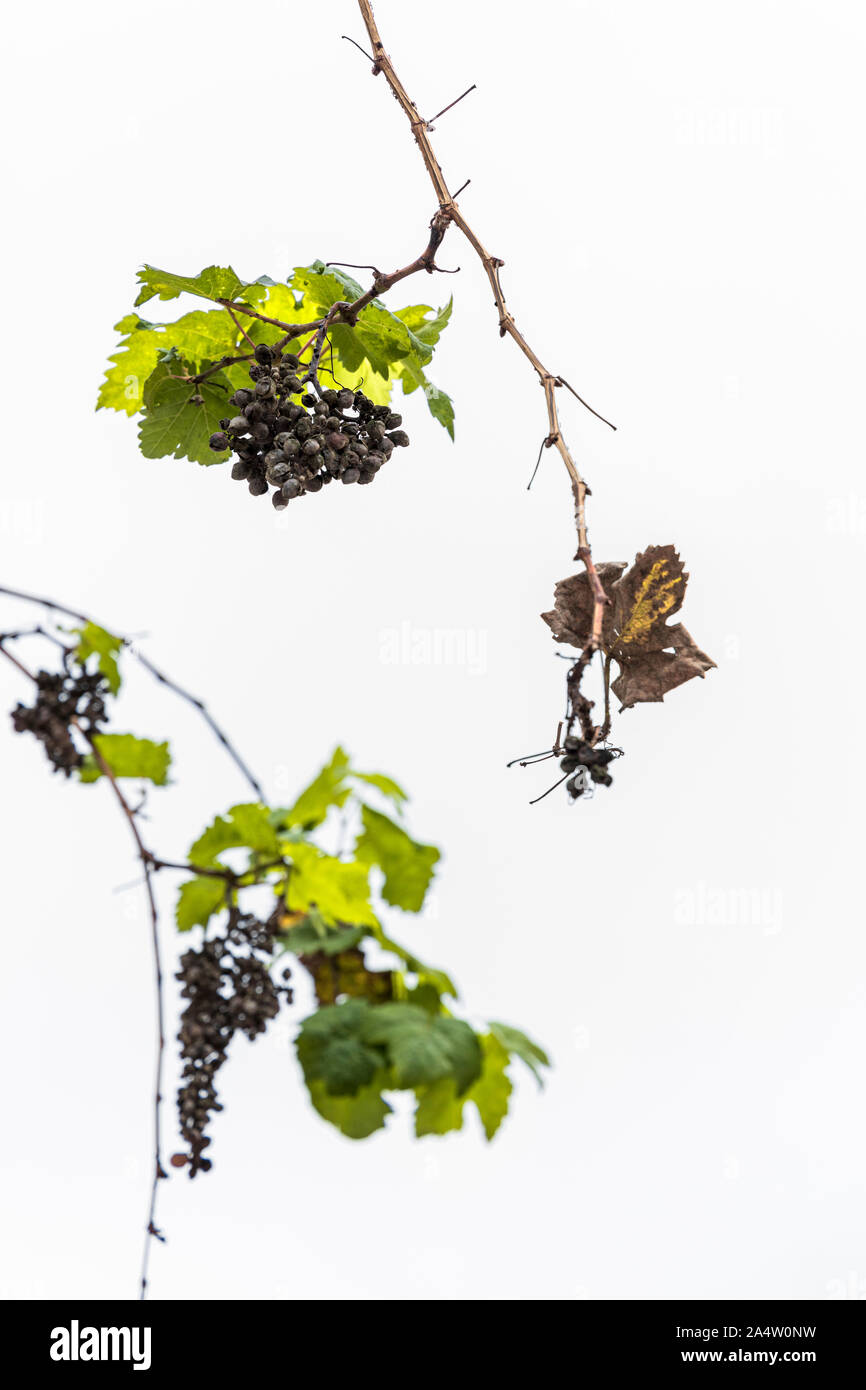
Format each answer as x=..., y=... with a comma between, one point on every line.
x=450, y=212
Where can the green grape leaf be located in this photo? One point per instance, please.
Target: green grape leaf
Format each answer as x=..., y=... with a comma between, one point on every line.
x=322, y=286
x=197, y=901
x=436, y=980
x=248, y=826
x=377, y=335
x=204, y=335
x=331, y=1048
x=519, y=1045
x=426, y=996
x=128, y=756
x=175, y=425
x=136, y=356
x=375, y=346
x=340, y=890
x=386, y=785
x=357, y=1116
x=328, y=788
x=254, y=826
x=423, y=1048
x=377, y=388
x=306, y=938
x=408, y=866
x=93, y=640
x=215, y=282
x=201, y=337
x=439, y=404
x=417, y=320
x=440, y=1108
x=492, y=1090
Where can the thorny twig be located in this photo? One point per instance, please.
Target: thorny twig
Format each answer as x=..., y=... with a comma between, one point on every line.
x=550, y=381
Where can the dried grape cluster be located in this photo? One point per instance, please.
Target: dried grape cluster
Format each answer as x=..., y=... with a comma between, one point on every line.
x=584, y=758
x=229, y=990
x=295, y=441
x=61, y=698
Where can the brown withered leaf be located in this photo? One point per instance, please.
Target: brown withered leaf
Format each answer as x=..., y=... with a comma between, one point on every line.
x=346, y=974
x=570, y=619
x=653, y=657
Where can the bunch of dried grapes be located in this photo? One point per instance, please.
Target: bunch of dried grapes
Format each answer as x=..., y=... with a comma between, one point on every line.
x=61, y=698
x=294, y=441
x=582, y=759
x=229, y=989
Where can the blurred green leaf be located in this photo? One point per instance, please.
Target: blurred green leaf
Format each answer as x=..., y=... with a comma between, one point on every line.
x=93, y=640
x=128, y=756
x=407, y=865
x=197, y=901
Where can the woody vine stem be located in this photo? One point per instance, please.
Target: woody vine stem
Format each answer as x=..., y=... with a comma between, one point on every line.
x=449, y=211
x=150, y=863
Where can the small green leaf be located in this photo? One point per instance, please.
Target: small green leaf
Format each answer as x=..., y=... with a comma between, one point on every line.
x=323, y=286
x=417, y=319
x=407, y=865
x=305, y=939
x=331, y=1049
x=519, y=1045
x=328, y=788
x=422, y=1048
x=386, y=785
x=215, y=282
x=492, y=1090
x=136, y=356
x=204, y=335
x=247, y=826
x=340, y=890
x=220, y=835
x=440, y=405
x=177, y=424
x=356, y=1116
x=128, y=756
x=93, y=640
x=197, y=901
x=440, y=1109
x=253, y=824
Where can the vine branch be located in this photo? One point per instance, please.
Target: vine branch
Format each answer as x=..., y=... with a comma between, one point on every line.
x=152, y=1231
x=449, y=211
x=154, y=671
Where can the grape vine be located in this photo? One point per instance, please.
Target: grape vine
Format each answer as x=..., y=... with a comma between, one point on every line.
x=293, y=433
x=380, y=1026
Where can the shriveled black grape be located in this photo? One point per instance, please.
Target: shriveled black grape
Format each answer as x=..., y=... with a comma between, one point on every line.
x=296, y=448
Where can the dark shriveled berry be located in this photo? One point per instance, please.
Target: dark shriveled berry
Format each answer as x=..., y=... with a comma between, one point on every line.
x=218, y=442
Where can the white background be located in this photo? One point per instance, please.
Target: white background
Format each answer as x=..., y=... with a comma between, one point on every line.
x=677, y=192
